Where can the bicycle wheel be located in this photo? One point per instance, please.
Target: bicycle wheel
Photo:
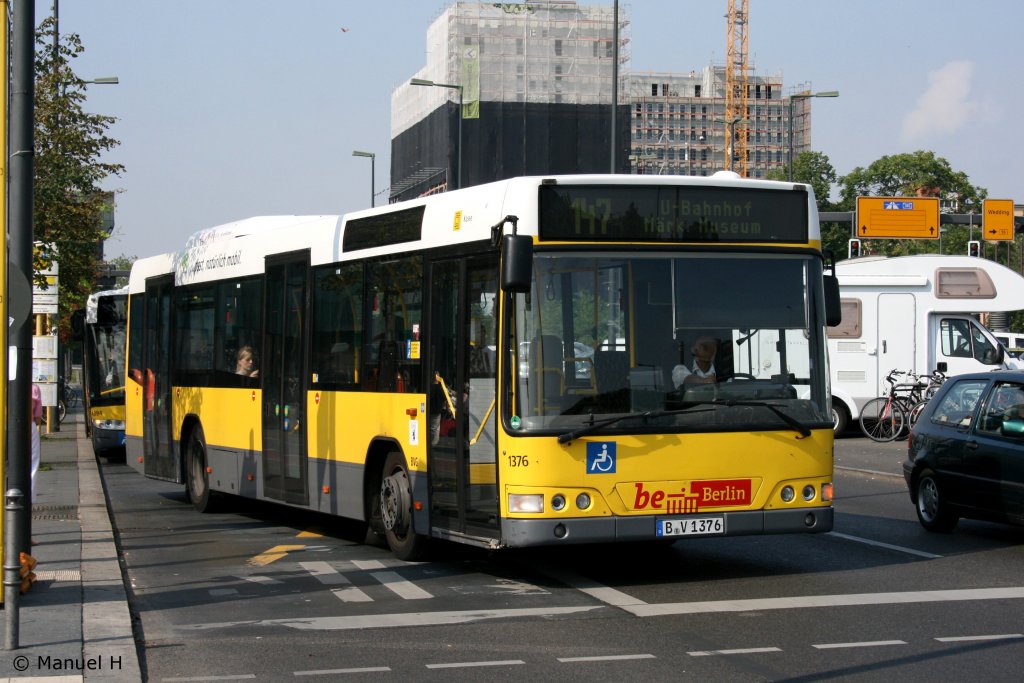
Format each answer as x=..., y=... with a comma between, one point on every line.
x=882, y=419
x=915, y=412
x=62, y=411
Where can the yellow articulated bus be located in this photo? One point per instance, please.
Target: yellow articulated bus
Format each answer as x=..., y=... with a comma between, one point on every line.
x=535, y=361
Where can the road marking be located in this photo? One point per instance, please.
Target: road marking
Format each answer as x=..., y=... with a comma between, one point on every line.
x=393, y=620
x=239, y=677
x=256, y=578
x=874, y=643
x=742, y=651
x=334, y=672
x=964, y=639
x=460, y=665
x=328, y=576
x=609, y=596
x=800, y=602
x=274, y=554
x=887, y=546
x=392, y=581
x=607, y=658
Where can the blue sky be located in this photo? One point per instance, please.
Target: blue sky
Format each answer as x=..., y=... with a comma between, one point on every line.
x=234, y=108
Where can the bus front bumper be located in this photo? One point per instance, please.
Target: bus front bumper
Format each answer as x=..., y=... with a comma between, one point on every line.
x=537, y=532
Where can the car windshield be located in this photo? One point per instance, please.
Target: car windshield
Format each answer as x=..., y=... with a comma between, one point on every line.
x=646, y=339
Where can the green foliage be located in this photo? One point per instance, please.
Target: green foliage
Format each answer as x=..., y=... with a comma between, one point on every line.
x=69, y=144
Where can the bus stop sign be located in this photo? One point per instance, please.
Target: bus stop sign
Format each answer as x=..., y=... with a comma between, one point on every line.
x=898, y=217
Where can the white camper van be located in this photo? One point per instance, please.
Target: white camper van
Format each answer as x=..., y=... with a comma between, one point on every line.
x=915, y=313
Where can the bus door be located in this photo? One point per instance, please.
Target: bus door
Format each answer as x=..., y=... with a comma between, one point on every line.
x=161, y=460
x=462, y=414
x=282, y=362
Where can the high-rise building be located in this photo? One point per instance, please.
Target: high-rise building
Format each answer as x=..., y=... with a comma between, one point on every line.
x=536, y=81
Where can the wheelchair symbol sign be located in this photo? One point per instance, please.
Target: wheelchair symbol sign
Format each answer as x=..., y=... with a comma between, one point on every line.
x=601, y=458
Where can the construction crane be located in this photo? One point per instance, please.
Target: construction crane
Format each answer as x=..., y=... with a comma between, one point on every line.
x=736, y=86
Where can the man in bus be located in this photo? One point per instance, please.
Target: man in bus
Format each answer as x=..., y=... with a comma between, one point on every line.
x=703, y=369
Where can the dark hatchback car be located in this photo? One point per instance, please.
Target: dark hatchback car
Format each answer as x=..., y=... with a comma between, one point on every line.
x=965, y=454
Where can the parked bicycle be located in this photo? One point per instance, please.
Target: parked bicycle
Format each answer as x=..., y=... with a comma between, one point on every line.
x=934, y=381
x=883, y=418
x=67, y=400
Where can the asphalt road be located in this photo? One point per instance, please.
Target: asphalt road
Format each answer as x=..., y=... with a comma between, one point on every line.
x=266, y=593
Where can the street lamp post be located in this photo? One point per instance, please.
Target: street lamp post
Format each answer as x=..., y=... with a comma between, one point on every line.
x=373, y=161
x=689, y=159
x=802, y=96
x=458, y=145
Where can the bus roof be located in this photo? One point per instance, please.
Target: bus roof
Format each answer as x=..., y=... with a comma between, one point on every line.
x=238, y=249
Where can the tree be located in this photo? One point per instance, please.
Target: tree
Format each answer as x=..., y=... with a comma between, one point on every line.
x=815, y=169
x=911, y=175
x=68, y=203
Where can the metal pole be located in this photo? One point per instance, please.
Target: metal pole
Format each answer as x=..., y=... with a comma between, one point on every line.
x=458, y=176
x=19, y=407
x=12, y=568
x=790, y=159
x=373, y=174
x=615, y=76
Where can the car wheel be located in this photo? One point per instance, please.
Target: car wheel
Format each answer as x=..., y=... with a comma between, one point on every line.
x=933, y=511
x=840, y=418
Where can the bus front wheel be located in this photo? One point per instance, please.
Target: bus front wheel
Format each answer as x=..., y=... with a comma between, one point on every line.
x=197, y=479
x=396, y=510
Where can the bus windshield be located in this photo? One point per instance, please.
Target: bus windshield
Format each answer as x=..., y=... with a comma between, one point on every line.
x=106, y=379
x=693, y=342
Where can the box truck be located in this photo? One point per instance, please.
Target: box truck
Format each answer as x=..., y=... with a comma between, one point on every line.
x=918, y=314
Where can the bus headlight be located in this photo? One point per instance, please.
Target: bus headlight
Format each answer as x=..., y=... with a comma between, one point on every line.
x=808, y=493
x=525, y=502
x=557, y=502
x=787, y=494
x=583, y=501
x=108, y=424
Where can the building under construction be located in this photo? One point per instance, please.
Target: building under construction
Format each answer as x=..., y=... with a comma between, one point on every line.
x=536, y=82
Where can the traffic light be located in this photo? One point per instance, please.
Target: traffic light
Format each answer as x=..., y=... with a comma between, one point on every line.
x=974, y=248
x=854, y=249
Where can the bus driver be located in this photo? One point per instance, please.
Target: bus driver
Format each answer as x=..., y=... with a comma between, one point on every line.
x=703, y=369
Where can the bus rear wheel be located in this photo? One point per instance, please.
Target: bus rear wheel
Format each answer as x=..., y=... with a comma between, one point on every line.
x=396, y=510
x=197, y=479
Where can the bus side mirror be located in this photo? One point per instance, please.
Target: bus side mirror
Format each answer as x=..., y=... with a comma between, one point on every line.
x=833, y=309
x=516, y=263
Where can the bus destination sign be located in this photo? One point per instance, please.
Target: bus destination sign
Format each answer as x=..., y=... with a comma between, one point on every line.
x=672, y=213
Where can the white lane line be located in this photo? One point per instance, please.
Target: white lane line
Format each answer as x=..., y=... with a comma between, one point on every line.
x=800, y=602
x=742, y=651
x=325, y=573
x=392, y=581
x=256, y=578
x=334, y=672
x=887, y=546
x=605, y=594
x=329, y=576
x=393, y=620
x=965, y=639
x=606, y=658
x=460, y=665
x=400, y=587
x=239, y=677
x=871, y=643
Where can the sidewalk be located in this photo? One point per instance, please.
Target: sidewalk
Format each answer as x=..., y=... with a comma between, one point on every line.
x=74, y=623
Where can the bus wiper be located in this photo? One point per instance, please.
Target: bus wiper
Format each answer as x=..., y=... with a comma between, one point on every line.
x=595, y=425
x=788, y=419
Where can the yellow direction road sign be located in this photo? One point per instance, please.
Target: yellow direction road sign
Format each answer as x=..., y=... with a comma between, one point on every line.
x=998, y=219
x=898, y=217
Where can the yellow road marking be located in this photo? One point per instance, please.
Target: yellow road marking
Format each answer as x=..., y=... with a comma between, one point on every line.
x=274, y=554
x=309, y=533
